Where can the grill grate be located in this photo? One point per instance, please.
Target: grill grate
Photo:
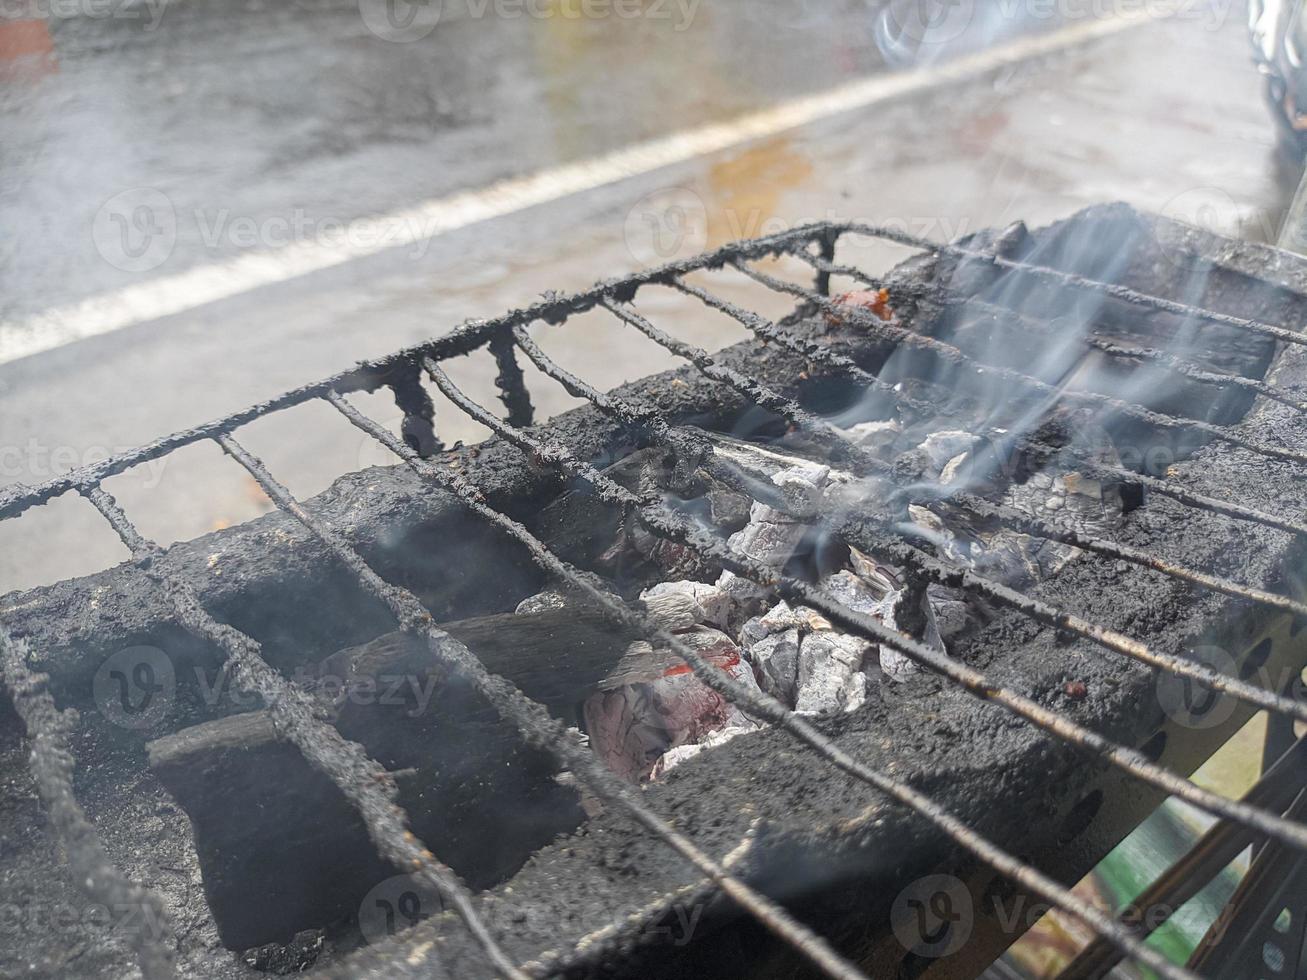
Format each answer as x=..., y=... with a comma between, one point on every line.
x=372, y=790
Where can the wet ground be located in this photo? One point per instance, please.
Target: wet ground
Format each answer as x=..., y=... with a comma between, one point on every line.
x=146, y=158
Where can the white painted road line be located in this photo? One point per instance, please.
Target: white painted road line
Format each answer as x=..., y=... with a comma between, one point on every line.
x=171, y=294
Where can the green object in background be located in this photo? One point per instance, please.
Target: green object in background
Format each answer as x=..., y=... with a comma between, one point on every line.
x=1140, y=859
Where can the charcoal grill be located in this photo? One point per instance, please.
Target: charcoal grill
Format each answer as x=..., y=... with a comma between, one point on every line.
x=1011, y=766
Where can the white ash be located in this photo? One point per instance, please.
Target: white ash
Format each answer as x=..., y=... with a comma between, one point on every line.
x=946, y=450
x=783, y=616
x=875, y=436
x=542, y=601
x=771, y=536
x=714, y=606
x=674, y=757
x=830, y=676
x=775, y=659
x=673, y=610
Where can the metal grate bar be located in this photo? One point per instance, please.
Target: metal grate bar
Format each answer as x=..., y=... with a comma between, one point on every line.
x=412, y=399
x=826, y=434
x=947, y=574
x=822, y=355
x=962, y=360
x=1014, y=518
x=1130, y=760
x=952, y=298
x=1200, y=864
x=52, y=770
x=510, y=381
x=364, y=782
x=1080, y=283
x=464, y=339
x=1198, y=501
x=534, y=722
x=1009, y=515
x=661, y=521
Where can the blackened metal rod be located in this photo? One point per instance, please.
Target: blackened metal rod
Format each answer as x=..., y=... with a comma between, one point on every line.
x=363, y=781
x=764, y=328
x=635, y=415
x=1013, y=518
x=509, y=380
x=1008, y=515
x=468, y=337
x=1220, y=845
x=950, y=297
x=581, y=762
x=532, y=719
x=767, y=708
x=1112, y=640
x=1082, y=283
x=1128, y=759
x=828, y=435
x=1178, y=492
x=955, y=356
x=770, y=331
x=51, y=763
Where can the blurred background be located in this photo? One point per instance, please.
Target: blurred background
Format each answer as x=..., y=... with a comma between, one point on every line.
x=206, y=202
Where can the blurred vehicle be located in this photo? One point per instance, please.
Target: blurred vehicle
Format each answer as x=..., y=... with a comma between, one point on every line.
x=1279, y=36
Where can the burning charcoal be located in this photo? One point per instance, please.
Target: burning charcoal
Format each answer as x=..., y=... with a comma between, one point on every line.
x=830, y=676
x=714, y=605
x=783, y=616
x=549, y=599
x=674, y=757
x=932, y=527
x=770, y=542
x=673, y=611
x=870, y=300
x=727, y=509
x=943, y=448
x=752, y=632
x=776, y=659
x=654, y=703
x=950, y=611
x=895, y=665
x=878, y=437
x=772, y=536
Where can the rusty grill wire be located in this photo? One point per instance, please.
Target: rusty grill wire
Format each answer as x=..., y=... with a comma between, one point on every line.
x=371, y=789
